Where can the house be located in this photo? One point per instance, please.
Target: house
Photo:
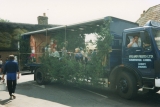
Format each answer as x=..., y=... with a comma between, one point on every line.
x=10, y=32
x=153, y=13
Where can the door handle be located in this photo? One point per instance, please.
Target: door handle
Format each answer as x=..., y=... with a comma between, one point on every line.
x=138, y=50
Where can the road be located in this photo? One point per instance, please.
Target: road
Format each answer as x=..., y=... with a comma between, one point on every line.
x=29, y=94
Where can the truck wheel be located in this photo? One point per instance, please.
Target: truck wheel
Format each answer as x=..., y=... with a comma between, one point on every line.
x=40, y=77
x=126, y=85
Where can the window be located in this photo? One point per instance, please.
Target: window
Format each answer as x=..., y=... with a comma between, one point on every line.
x=133, y=40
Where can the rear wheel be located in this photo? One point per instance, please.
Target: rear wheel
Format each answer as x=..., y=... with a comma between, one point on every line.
x=41, y=78
x=126, y=85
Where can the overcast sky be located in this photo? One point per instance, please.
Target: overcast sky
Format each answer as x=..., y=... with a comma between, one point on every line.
x=66, y=12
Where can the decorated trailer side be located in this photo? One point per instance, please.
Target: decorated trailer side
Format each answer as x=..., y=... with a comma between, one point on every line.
x=115, y=65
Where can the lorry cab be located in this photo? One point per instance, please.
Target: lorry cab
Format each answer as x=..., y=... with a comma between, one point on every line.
x=140, y=61
x=144, y=58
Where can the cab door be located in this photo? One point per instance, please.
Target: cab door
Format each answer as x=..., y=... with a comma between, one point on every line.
x=140, y=58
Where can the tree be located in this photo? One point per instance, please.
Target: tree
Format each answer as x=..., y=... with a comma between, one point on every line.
x=3, y=20
x=104, y=40
x=5, y=41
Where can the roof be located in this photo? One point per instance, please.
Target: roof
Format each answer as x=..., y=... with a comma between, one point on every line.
x=72, y=27
x=29, y=27
x=153, y=13
x=137, y=29
x=86, y=27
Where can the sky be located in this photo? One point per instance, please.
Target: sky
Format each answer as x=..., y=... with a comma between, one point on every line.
x=65, y=12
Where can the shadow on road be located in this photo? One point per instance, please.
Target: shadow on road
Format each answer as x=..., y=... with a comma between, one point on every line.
x=142, y=98
x=73, y=96
x=70, y=95
x=6, y=101
x=26, y=73
x=61, y=94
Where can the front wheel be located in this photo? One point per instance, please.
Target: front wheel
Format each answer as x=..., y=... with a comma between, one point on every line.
x=126, y=85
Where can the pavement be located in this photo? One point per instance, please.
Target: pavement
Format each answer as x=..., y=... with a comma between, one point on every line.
x=4, y=95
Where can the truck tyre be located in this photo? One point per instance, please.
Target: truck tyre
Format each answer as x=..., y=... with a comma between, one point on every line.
x=41, y=78
x=126, y=85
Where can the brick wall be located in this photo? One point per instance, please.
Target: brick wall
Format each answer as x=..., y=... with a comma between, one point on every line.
x=153, y=13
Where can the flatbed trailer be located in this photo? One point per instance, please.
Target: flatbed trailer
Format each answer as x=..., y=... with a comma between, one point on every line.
x=128, y=69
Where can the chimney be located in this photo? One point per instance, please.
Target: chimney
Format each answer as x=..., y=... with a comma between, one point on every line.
x=143, y=13
x=43, y=20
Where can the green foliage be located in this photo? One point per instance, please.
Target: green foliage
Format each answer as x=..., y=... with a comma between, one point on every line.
x=59, y=37
x=5, y=41
x=3, y=20
x=25, y=50
x=17, y=32
x=95, y=68
x=63, y=70
x=104, y=40
x=75, y=40
x=69, y=70
x=9, y=40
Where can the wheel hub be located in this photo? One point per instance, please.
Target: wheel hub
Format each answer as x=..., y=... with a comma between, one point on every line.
x=123, y=86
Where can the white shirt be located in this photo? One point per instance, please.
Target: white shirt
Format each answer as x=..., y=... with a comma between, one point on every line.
x=136, y=44
x=55, y=54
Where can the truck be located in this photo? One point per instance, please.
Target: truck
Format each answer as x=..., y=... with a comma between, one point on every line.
x=128, y=69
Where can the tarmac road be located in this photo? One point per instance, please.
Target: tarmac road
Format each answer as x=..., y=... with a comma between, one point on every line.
x=29, y=94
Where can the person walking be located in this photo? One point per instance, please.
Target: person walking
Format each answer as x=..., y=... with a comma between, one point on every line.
x=12, y=70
